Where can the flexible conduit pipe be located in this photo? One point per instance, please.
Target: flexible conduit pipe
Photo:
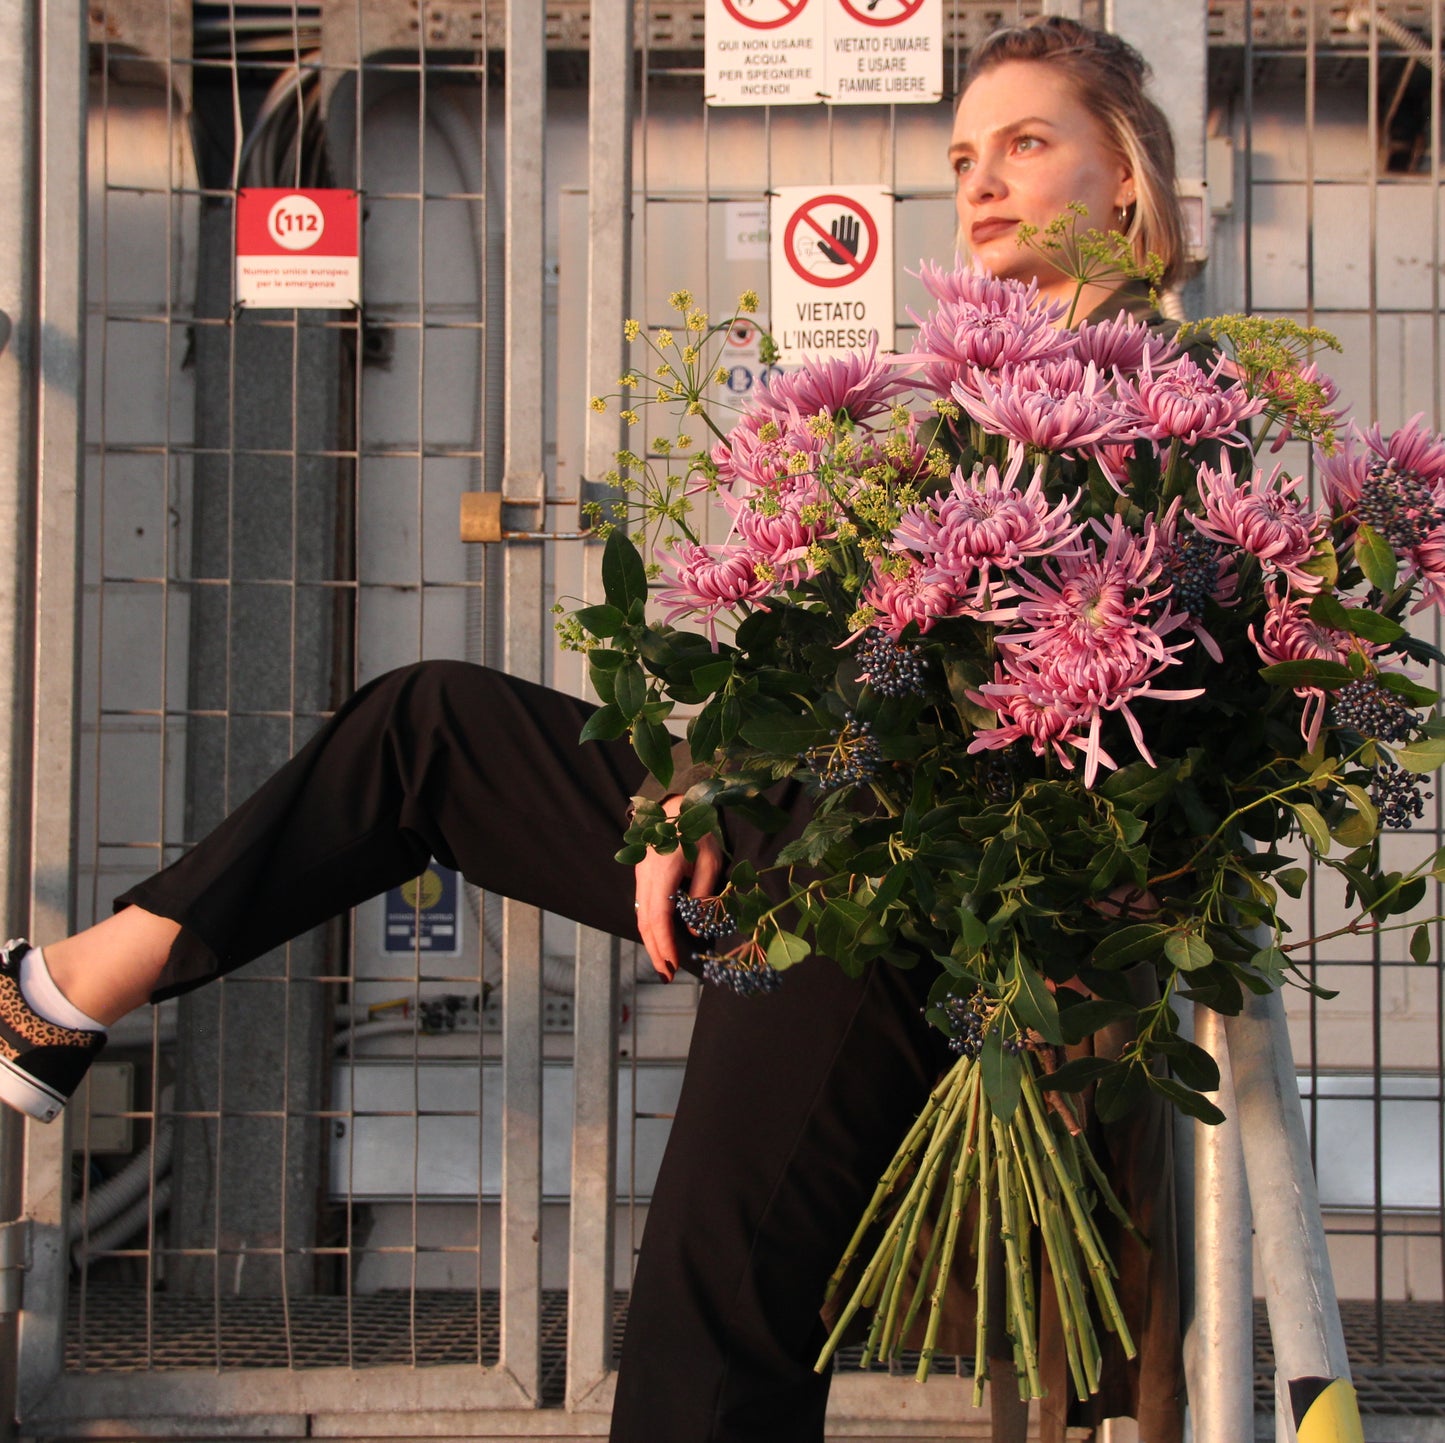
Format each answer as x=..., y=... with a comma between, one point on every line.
x=132, y=1182
x=131, y=1221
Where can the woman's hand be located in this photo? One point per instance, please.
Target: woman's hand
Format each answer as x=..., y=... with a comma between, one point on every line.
x=659, y=875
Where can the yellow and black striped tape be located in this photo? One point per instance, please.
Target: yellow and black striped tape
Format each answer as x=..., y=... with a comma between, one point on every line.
x=1325, y=1410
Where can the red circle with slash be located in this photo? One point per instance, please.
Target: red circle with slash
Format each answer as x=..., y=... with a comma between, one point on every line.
x=791, y=10
x=909, y=10
x=803, y=219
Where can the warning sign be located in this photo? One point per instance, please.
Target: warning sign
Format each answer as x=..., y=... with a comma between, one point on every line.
x=832, y=269
x=884, y=52
x=298, y=248
x=740, y=364
x=764, y=52
x=845, y=52
x=422, y=915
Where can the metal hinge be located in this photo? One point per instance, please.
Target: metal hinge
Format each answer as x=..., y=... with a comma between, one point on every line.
x=14, y=1260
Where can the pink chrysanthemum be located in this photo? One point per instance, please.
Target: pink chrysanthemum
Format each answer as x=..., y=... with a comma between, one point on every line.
x=706, y=580
x=1185, y=403
x=982, y=321
x=1262, y=517
x=1022, y=405
x=1122, y=344
x=1114, y=458
x=1289, y=633
x=900, y=599
x=969, y=283
x=1343, y=471
x=1427, y=565
x=1281, y=389
x=1094, y=624
x=789, y=451
x=985, y=526
x=1029, y=711
x=780, y=524
x=862, y=384
x=1414, y=447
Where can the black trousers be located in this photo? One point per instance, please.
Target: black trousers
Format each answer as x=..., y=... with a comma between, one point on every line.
x=791, y=1106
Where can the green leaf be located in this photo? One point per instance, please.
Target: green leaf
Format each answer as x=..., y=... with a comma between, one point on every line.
x=1357, y=620
x=1033, y=1004
x=629, y=689
x=707, y=679
x=1313, y=826
x=704, y=733
x=1375, y=558
x=1412, y=691
x=1189, y=1102
x=1188, y=952
x=993, y=867
x=630, y=856
x=1084, y=1019
x=1002, y=1076
x=971, y=929
x=1271, y=962
x=783, y=734
x=1075, y=1076
x=624, y=576
x=1191, y=1064
x=601, y=620
x=1293, y=880
x=1356, y=830
x=1425, y=754
x=1119, y=1091
x=1327, y=674
x=653, y=745
x=1129, y=945
x=786, y=949
x=697, y=820
x=1420, y=948
x=1138, y=784
x=1324, y=563
x=605, y=724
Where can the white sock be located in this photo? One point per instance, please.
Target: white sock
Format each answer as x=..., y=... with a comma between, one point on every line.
x=39, y=990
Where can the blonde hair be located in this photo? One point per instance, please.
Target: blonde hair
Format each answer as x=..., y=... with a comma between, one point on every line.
x=1109, y=77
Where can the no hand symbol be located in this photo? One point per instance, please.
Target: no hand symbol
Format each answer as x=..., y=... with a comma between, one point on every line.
x=767, y=14
x=830, y=240
x=881, y=12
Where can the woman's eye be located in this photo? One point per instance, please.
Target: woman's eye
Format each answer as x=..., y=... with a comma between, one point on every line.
x=1026, y=142
x=963, y=164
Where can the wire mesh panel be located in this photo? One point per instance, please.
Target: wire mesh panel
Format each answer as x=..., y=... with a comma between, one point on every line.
x=1325, y=179
x=309, y=1169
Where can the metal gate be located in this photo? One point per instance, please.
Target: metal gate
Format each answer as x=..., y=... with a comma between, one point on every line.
x=375, y=1187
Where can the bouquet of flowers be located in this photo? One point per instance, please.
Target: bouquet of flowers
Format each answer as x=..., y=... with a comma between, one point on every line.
x=1079, y=679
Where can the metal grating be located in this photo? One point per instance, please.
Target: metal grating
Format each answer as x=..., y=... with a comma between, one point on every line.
x=1410, y=1335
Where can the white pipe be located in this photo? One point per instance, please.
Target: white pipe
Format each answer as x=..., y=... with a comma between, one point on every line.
x=90, y=1214
x=130, y=1222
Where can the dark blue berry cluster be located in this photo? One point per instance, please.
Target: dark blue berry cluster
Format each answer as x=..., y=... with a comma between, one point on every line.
x=995, y=779
x=965, y=1022
x=889, y=667
x=853, y=756
x=748, y=976
x=1399, y=504
x=705, y=917
x=1193, y=572
x=1397, y=795
x=1366, y=707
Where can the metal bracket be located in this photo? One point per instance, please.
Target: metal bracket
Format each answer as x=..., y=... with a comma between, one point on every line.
x=481, y=518
x=14, y=1260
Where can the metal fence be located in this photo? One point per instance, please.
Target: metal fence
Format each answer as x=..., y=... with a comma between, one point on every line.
x=376, y=1173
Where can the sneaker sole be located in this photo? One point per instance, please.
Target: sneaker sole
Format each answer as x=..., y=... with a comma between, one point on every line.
x=26, y=1095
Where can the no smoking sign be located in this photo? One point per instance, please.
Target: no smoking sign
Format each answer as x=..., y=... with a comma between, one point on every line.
x=298, y=248
x=832, y=270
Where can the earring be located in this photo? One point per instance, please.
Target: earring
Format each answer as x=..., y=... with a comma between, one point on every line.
x=1124, y=217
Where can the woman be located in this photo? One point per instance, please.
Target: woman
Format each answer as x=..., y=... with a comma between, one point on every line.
x=791, y=1106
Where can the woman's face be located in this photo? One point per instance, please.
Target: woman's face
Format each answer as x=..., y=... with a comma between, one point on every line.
x=1024, y=147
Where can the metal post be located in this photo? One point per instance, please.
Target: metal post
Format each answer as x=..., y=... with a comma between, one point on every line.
x=17, y=179
x=1219, y=1342
x=1314, y=1398
x=594, y=1123
x=521, y=1268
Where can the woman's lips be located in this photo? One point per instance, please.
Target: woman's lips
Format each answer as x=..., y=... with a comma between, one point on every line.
x=987, y=230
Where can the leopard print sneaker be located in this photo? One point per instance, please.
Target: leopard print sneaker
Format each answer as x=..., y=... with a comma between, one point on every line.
x=41, y=1063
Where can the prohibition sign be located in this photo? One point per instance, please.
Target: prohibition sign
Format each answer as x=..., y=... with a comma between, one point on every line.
x=742, y=333
x=909, y=8
x=791, y=10
x=852, y=269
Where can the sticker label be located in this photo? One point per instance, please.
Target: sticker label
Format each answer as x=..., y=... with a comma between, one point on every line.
x=764, y=52
x=422, y=915
x=298, y=248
